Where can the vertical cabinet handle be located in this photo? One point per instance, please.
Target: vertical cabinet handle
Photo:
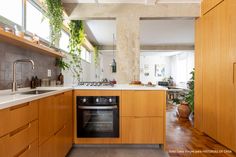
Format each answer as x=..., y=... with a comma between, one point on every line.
x=234, y=64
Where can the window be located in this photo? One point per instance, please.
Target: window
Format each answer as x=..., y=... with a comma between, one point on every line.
x=85, y=55
x=12, y=10
x=36, y=23
x=88, y=57
x=64, y=41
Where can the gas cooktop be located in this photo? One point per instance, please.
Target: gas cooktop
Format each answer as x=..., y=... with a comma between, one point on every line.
x=95, y=84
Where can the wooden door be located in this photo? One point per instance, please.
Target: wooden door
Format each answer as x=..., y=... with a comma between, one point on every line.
x=226, y=100
x=211, y=54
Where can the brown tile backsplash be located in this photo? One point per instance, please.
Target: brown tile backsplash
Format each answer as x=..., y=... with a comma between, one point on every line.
x=10, y=53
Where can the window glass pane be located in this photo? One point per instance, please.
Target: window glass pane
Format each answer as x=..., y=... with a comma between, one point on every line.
x=64, y=41
x=83, y=53
x=35, y=22
x=12, y=10
x=88, y=56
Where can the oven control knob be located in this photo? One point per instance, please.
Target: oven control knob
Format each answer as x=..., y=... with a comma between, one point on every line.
x=97, y=100
x=84, y=100
x=110, y=99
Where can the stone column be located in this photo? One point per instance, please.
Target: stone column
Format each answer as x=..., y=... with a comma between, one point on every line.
x=128, y=49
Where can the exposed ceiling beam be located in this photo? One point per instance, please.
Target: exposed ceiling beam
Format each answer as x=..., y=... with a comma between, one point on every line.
x=166, y=47
x=103, y=11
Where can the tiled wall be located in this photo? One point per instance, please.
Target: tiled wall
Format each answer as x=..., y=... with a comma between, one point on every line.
x=10, y=53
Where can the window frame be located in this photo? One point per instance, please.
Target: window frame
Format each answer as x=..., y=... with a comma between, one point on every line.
x=8, y=23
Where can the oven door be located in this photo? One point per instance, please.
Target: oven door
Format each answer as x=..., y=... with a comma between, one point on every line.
x=97, y=121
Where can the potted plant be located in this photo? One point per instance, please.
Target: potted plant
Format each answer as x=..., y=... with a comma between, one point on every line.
x=187, y=106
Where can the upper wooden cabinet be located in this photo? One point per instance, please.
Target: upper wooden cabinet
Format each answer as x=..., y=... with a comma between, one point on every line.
x=209, y=4
x=142, y=103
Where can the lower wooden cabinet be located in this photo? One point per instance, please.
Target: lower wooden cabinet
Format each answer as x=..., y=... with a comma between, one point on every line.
x=55, y=135
x=59, y=144
x=142, y=130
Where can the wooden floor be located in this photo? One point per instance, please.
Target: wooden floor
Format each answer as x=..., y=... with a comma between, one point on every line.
x=183, y=138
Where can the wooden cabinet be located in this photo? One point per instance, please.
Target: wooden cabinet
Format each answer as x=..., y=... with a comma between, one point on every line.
x=21, y=131
x=17, y=116
x=55, y=129
x=143, y=117
x=207, y=5
x=198, y=104
x=142, y=103
x=217, y=59
x=142, y=130
x=46, y=118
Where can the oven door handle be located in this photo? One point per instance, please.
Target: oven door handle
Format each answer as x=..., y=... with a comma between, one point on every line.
x=97, y=107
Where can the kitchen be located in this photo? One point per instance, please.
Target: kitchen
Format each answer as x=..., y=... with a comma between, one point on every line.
x=90, y=95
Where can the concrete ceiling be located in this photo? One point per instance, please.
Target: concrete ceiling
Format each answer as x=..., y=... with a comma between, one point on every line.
x=132, y=1
x=152, y=32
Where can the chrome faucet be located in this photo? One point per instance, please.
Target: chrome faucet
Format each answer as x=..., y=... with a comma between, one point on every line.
x=14, y=83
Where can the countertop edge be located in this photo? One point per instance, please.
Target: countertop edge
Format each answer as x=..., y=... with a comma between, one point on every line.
x=5, y=105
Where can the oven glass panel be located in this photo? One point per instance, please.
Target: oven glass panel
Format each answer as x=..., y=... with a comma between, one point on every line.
x=98, y=121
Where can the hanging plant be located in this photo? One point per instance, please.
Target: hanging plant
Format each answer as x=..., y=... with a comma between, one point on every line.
x=54, y=12
x=77, y=38
x=96, y=55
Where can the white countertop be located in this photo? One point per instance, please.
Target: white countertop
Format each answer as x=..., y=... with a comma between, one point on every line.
x=8, y=99
x=121, y=87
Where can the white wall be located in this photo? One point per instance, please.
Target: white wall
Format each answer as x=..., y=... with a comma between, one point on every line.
x=90, y=72
x=147, y=65
x=181, y=66
x=106, y=71
x=177, y=65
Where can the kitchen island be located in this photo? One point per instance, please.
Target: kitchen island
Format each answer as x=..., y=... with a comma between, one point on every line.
x=141, y=118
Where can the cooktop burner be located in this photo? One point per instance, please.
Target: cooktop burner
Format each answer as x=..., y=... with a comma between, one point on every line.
x=95, y=84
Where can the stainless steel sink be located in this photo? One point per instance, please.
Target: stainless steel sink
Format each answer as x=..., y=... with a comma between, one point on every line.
x=35, y=92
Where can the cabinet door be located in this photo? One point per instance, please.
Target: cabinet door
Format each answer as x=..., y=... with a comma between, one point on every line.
x=63, y=109
x=60, y=111
x=46, y=118
x=143, y=103
x=63, y=141
x=211, y=64
x=137, y=130
x=209, y=4
x=198, y=104
x=227, y=114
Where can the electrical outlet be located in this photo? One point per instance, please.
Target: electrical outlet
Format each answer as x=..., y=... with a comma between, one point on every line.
x=49, y=72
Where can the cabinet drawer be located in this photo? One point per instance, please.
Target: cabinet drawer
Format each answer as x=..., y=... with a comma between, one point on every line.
x=17, y=116
x=17, y=141
x=137, y=130
x=63, y=141
x=31, y=150
x=143, y=103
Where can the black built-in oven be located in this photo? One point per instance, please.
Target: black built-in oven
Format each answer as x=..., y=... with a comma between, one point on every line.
x=97, y=116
